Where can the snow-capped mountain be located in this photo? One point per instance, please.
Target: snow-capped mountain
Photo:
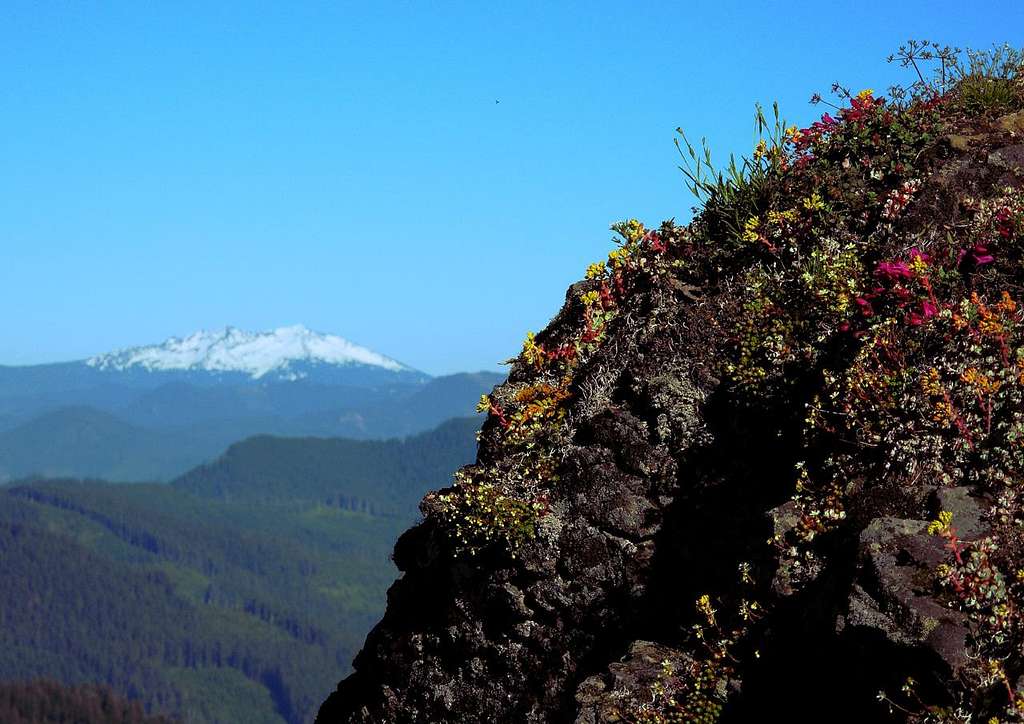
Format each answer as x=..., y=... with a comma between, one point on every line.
x=286, y=353
x=152, y=412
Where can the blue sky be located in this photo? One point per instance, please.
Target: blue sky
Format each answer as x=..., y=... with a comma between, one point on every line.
x=168, y=167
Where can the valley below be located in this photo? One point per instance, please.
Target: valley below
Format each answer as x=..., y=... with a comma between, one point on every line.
x=239, y=592
x=204, y=527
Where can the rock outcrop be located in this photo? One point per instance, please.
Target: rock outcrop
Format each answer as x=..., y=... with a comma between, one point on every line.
x=764, y=465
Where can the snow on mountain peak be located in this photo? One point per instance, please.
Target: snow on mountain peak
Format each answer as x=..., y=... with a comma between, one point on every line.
x=254, y=353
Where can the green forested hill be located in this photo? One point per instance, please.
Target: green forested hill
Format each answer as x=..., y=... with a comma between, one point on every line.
x=84, y=441
x=214, y=607
x=367, y=475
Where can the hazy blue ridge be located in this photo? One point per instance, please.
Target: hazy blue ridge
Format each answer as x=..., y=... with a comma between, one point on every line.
x=129, y=433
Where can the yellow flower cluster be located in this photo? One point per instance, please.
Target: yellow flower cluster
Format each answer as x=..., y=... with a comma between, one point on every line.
x=750, y=229
x=705, y=609
x=533, y=353
x=979, y=381
x=778, y=218
x=478, y=512
x=931, y=384
x=814, y=202
x=942, y=525
x=618, y=257
x=631, y=230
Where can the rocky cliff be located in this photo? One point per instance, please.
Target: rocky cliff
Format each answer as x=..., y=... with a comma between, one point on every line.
x=766, y=464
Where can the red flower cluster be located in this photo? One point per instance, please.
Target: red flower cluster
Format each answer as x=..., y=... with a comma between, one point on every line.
x=591, y=332
x=861, y=107
x=808, y=137
x=928, y=310
x=895, y=279
x=566, y=352
x=1007, y=222
x=977, y=255
x=893, y=271
x=658, y=245
x=499, y=414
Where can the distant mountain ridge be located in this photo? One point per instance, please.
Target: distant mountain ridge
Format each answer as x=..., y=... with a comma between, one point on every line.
x=230, y=356
x=162, y=433
x=153, y=412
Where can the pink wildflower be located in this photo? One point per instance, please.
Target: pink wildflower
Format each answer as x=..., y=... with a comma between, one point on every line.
x=893, y=271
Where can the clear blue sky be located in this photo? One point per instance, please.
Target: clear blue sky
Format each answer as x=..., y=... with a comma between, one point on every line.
x=166, y=167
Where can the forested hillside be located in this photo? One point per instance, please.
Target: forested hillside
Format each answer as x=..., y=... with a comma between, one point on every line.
x=380, y=477
x=48, y=702
x=87, y=442
x=237, y=601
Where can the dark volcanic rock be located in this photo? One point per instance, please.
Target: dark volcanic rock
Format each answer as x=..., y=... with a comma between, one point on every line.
x=606, y=698
x=506, y=639
x=892, y=594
